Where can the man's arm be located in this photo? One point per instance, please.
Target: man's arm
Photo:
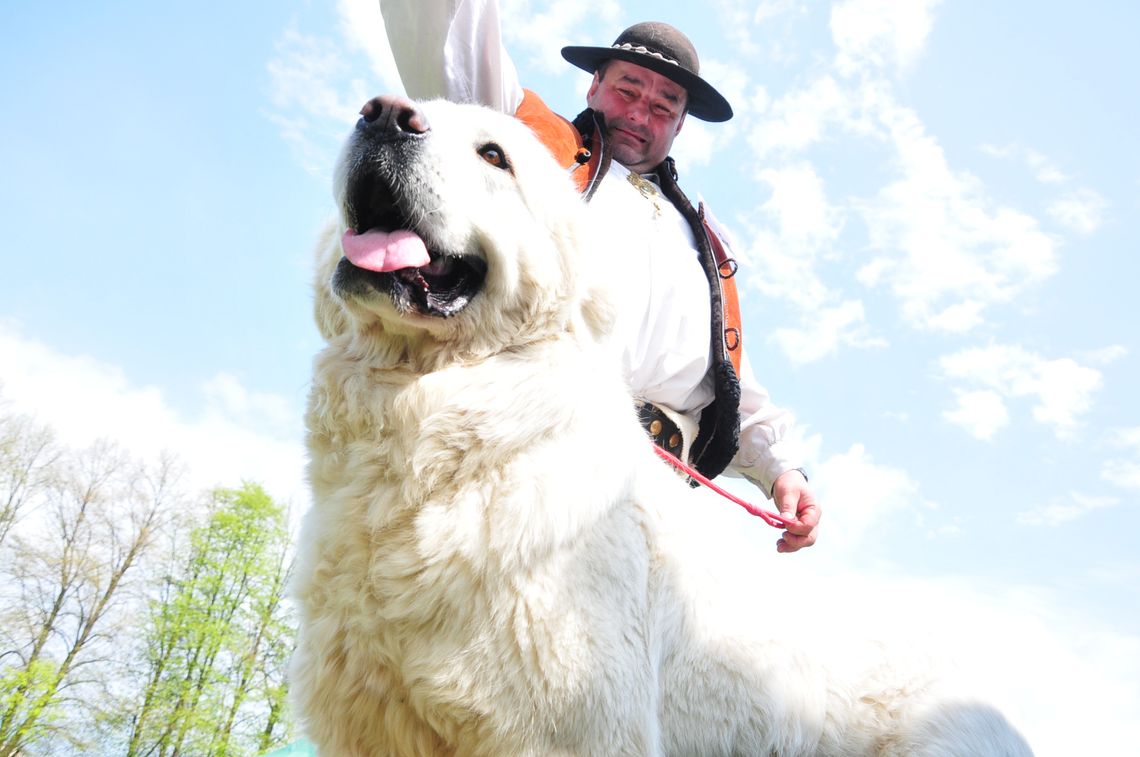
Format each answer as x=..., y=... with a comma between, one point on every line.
x=452, y=49
x=766, y=458
x=765, y=452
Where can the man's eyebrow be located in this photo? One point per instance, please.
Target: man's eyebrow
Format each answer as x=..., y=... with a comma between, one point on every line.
x=673, y=97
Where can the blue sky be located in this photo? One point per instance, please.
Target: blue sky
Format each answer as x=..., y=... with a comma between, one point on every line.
x=935, y=202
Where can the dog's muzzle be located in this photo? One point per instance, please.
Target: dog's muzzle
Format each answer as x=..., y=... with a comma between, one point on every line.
x=379, y=209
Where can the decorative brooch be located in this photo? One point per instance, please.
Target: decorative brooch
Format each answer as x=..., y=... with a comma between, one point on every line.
x=647, y=189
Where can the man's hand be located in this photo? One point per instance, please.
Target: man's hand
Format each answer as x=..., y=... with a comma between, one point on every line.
x=794, y=499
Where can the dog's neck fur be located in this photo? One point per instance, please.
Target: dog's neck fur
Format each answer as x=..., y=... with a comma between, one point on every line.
x=385, y=388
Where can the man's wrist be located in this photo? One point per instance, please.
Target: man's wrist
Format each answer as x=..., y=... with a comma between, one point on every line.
x=801, y=471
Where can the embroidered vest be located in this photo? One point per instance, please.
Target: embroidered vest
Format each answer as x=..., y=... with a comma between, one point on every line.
x=580, y=147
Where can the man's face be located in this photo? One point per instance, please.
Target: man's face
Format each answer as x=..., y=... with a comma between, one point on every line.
x=643, y=112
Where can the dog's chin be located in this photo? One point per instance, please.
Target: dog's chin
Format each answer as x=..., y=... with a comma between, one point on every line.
x=441, y=289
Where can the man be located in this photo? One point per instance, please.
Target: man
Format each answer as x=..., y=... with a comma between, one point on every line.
x=697, y=396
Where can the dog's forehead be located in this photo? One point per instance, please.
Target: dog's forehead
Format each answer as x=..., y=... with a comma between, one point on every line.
x=477, y=125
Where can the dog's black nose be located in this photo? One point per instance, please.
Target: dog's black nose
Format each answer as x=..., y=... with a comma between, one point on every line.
x=394, y=115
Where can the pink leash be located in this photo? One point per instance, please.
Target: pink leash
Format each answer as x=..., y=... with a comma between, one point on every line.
x=772, y=519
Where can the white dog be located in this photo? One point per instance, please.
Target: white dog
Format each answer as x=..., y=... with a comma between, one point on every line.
x=494, y=561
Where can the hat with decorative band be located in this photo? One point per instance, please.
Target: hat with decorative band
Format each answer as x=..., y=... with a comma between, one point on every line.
x=665, y=50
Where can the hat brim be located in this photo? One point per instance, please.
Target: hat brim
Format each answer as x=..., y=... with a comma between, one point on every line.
x=704, y=102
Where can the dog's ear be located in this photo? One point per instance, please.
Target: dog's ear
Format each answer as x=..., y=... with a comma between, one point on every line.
x=327, y=310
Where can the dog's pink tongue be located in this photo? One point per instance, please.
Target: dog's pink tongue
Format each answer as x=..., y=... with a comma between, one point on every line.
x=385, y=250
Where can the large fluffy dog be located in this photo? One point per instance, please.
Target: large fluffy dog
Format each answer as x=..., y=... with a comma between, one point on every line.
x=492, y=564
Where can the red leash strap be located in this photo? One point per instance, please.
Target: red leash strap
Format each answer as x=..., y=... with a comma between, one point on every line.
x=772, y=519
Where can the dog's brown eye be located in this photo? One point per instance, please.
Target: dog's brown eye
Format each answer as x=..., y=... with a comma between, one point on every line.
x=494, y=155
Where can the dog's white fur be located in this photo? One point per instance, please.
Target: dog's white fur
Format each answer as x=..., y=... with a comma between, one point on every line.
x=495, y=564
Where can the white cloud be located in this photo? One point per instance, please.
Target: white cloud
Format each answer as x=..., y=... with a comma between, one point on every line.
x=958, y=318
x=769, y=10
x=801, y=118
x=945, y=252
x=823, y=330
x=1063, y=389
x=997, y=640
x=227, y=394
x=1105, y=355
x=1124, y=472
x=318, y=84
x=791, y=232
x=701, y=143
x=786, y=273
x=861, y=494
x=236, y=435
x=535, y=35
x=1060, y=513
x=791, y=229
x=946, y=530
x=941, y=246
x=697, y=144
x=731, y=80
x=315, y=98
x=991, y=639
x=307, y=73
x=1081, y=211
x=737, y=18
x=1128, y=437
x=943, y=249
x=1122, y=575
x=880, y=33
x=982, y=413
x=362, y=26
x=1042, y=167
x=749, y=26
x=800, y=207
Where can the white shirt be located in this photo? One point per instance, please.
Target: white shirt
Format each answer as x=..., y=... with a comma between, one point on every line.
x=453, y=49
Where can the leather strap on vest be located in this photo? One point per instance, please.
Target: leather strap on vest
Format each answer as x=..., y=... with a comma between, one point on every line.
x=719, y=435
x=726, y=272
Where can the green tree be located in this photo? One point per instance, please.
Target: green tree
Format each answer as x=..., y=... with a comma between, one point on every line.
x=218, y=635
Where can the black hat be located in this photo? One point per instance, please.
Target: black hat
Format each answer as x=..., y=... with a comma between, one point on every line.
x=661, y=48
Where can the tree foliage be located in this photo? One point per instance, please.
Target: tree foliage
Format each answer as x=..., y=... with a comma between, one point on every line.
x=135, y=619
x=27, y=455
x=68, y=575
x=216, y=634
